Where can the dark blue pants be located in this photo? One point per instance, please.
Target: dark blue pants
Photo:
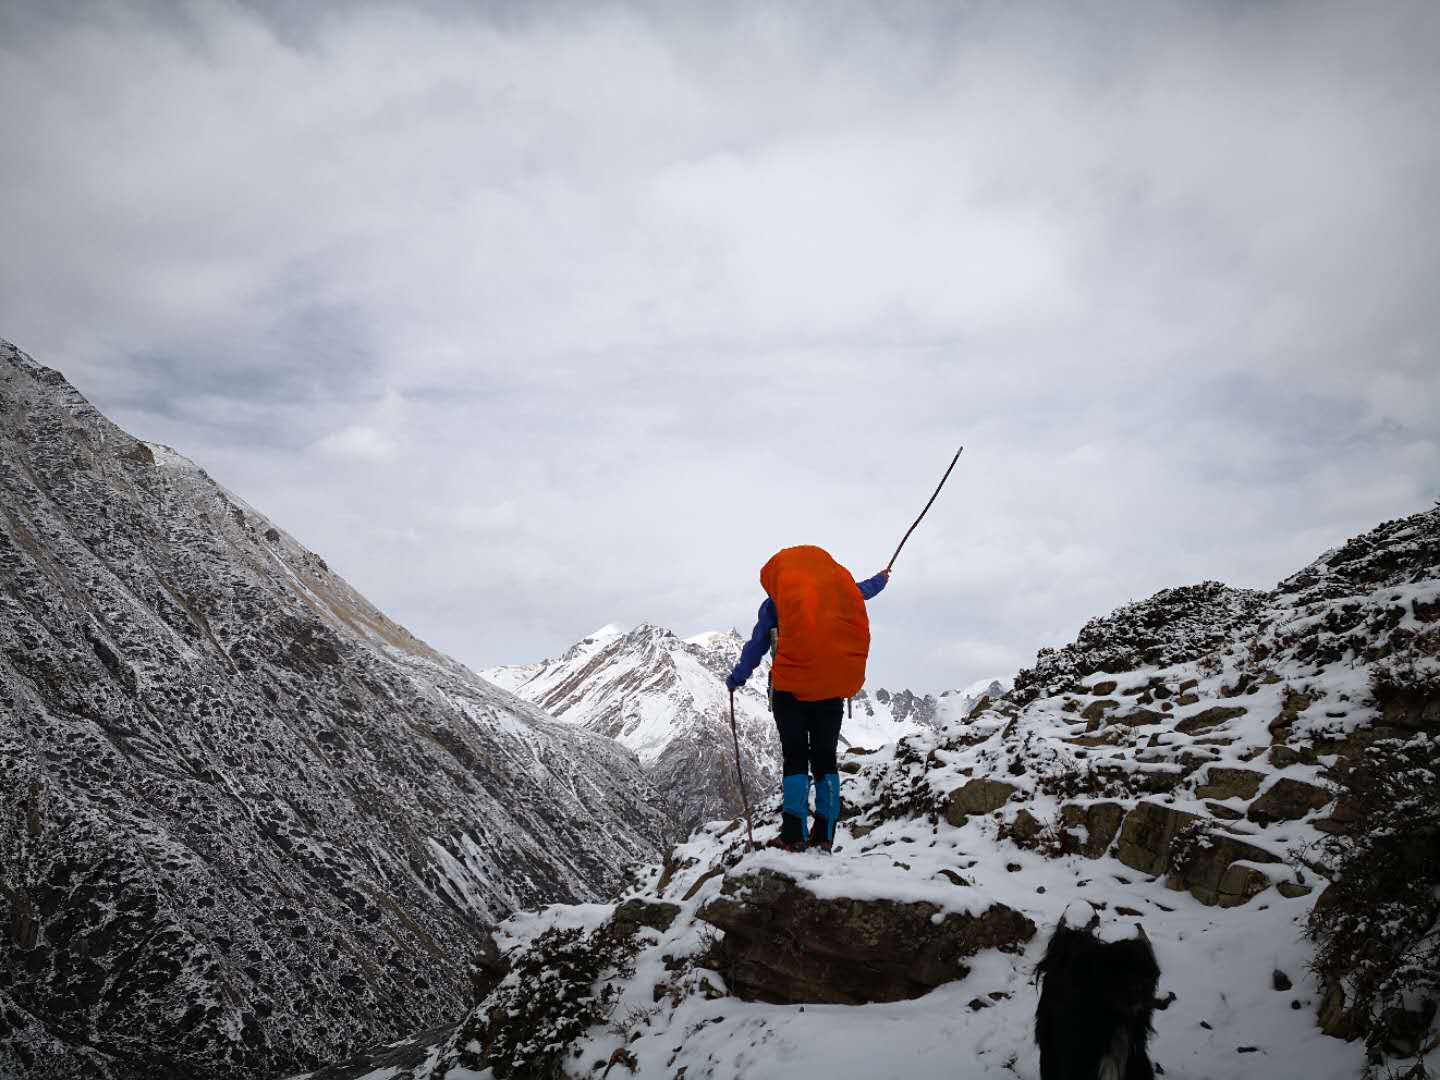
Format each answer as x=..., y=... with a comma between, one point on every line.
x=809, y=734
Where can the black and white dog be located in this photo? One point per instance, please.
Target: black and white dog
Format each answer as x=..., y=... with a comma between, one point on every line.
x=1096, y=1000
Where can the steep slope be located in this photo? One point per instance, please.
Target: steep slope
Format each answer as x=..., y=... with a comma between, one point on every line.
x=248, y=820
x=664, y=697
x=1177, y=768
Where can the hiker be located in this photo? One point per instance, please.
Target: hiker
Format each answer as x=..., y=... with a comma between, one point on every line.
x=822, y=642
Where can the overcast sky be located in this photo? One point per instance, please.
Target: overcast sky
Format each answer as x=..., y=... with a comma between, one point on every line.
x=534, y=317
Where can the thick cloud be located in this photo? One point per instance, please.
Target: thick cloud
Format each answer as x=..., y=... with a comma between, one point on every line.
x=536, y=317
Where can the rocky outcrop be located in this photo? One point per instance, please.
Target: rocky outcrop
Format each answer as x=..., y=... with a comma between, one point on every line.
x=979, y=796
x=1162, y=841
x=1208, y=719
x=1101, y=821
x=1227, y=783
x=1288, y=799
x=783, y=944
x=1171, y=627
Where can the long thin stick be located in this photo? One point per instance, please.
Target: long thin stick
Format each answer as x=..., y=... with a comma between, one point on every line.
x=926, y=510
x=744, y=797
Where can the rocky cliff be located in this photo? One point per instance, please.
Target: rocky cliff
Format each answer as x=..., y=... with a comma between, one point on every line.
x=248, y=821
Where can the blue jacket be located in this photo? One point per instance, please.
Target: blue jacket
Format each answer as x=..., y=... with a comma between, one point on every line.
x=766, y=621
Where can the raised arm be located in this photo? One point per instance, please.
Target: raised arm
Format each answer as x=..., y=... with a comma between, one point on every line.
x=755, y=648
x=871, y=586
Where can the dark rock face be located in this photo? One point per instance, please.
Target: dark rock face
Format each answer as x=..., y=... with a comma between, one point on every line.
x=1101, y=821
x=785, y=945
x=635, y=913
x=980, y=796
x=1209, y=719
x=1288, y=799
x=1227, y=783
x=247, y=821
x=1158, y=840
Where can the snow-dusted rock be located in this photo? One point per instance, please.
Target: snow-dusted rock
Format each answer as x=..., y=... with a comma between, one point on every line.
x=782, y=943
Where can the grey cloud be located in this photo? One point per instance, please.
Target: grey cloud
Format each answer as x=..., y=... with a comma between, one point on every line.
x=536, y=317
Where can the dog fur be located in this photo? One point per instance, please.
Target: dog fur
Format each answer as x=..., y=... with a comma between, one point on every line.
x=1096, y=1002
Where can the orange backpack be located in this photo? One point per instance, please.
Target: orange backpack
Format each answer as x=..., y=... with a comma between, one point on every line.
x=824, y=631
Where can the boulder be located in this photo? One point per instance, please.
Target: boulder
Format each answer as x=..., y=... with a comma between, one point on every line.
x=1096, y=710
x=1101, y=821
x=1145, y=779
x=487, y=966
x=979, y=796
x=1187, y=699
x=1026, y=828
x=1210, y=718
x=1346, y=818
x=1292, y=706
x=1224, y=783
x=1139, y=717
x=1336, y=1020
x=1147, y=834
x=1238, y=885
x=635, y=913
x=1100, y=689
x=1409, y=708
x=1148, y=843
x=785, y=945
x=1223, y=812
x=1282, y=756
x=1287, y=799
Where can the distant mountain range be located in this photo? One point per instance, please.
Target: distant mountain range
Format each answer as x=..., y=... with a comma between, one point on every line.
x=664, y=697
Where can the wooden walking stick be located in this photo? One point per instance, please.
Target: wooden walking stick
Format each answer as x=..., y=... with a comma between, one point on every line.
x=925, y=511
x=744, y=797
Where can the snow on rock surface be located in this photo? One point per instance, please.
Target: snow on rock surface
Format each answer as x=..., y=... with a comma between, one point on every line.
x=249, y=822
x=664, y=697
x=1171, y=769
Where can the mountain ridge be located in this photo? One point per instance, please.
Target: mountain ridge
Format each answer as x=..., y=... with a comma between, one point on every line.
x=251, y=810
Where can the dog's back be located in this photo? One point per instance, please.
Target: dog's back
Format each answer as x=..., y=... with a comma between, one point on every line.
x=1096, y=999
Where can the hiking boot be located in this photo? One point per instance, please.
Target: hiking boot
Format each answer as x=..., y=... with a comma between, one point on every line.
x=820, y=836
x=784, y=845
